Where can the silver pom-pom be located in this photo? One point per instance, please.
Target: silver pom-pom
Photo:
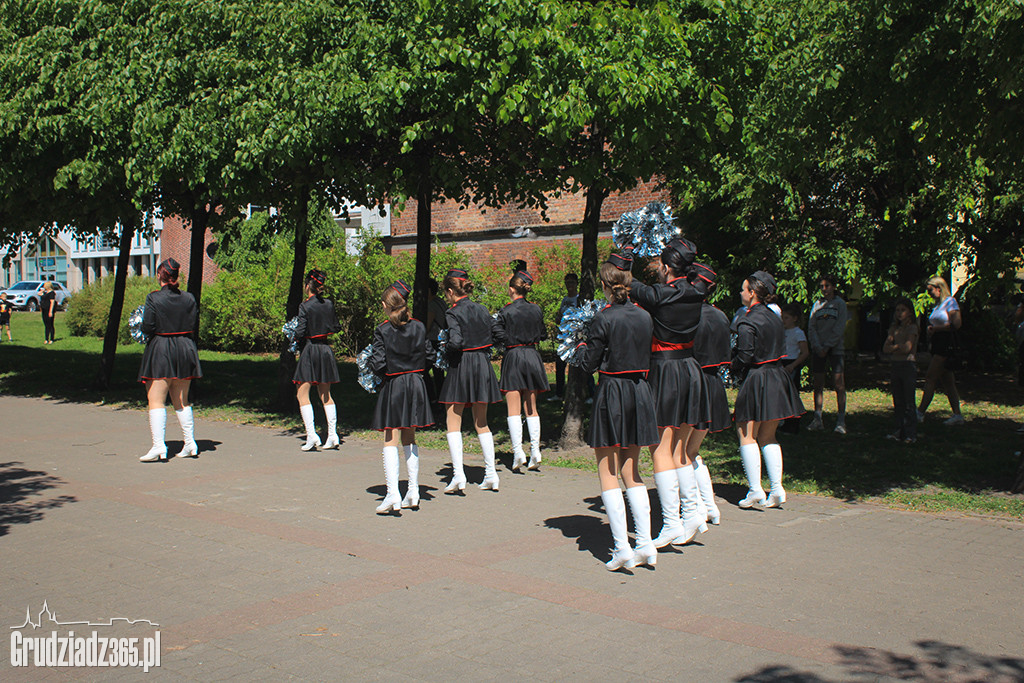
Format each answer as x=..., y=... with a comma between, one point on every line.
x=135, y=325
x=288, y=330
x=574, y=330
x=648, y=229
x=367, y=378
x=441, y=357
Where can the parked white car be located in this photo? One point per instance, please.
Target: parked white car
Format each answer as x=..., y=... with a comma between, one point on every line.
x=27, y=294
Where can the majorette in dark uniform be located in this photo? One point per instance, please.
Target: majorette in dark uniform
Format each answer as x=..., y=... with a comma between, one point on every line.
x=169, y=320
x=317, y=320
x=675, y=376
x=618, y=347
x=470, y=378
x=678, y=386
x=712, y=350
x=519, y=326
x=400, y=354
x=619, y=350
x=767, y=394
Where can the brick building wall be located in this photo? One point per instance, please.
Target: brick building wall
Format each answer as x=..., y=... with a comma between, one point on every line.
x=175, y=242
x=486, y=234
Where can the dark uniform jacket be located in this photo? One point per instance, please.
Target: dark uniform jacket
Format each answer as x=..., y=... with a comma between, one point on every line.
x=760, y=339
x=317, y=319
x=619, y=341
x=711, y=344
x=519, y=323
x=469, y=327
x=675, y=309
x=402, y=349
x=169, y=312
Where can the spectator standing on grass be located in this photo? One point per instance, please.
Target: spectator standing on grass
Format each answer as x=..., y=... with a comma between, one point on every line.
x=943, y=323
x=5, y=316
x=570, y=300
x=797, y=353
x=48, y=307
x=900, y=348
x=825, y=329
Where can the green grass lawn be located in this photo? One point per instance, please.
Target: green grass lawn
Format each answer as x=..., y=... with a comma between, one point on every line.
x=966, y=469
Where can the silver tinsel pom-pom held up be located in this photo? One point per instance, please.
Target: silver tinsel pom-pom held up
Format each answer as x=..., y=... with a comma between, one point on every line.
x=288, y=330
x=135, y=325
x=367, y=379
x=648, y=229
x=575, y=329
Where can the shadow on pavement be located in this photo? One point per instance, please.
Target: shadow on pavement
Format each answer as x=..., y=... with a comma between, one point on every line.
x=936, y=661
x=17, y=485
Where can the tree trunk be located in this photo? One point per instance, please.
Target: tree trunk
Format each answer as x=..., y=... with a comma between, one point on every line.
x=106, y=369
x=575, y=386
x=199, y=220
x=424, y=196
x=299, y=217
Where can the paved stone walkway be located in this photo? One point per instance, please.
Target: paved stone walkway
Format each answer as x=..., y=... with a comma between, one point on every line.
x=261, y=562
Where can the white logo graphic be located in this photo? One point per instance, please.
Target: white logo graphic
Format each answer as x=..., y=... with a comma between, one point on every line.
x=57, y=650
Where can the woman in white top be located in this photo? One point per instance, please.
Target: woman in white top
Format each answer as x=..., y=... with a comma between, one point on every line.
x=943, y=322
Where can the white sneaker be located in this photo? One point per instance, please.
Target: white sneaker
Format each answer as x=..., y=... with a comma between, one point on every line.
x=816, y=425
x=840, y=428
x=955, y=420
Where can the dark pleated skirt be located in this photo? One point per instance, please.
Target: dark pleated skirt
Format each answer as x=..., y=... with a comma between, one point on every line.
x=170, y=358
x=470, y=380
x=523, y=370
x=678, y=391
x=402, y=403
x=316, y=365
x=717, y=412
x=623, y=414
x=768, y=393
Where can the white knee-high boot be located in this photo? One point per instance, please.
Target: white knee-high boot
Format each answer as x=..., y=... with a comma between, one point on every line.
x=515, y=435
x=412, y=466
x=667, y=484
x=707, y=490
x=533, y=424
x=773, y=466
x=458, y=482
x=689, y=494
x=615, y=507
x=331, y=413
x=190, y=449
x=392, y=501
x=312, y=440
x=750, y=454
x=640, y=504
x=490, y=482
x=157, y=429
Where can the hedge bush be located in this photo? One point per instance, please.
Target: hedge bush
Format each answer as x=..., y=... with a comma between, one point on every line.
x=89, y=308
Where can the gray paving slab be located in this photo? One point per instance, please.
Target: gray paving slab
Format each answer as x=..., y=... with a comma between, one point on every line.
x=261, y=562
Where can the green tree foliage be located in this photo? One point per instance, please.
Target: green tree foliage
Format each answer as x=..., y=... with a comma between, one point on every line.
x=89, y=309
